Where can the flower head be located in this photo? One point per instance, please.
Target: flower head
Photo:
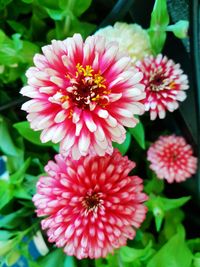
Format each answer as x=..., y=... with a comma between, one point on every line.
x=172, y=159
x=83, y=94
x=165, y=84
x=91, y=205
x=131, y=38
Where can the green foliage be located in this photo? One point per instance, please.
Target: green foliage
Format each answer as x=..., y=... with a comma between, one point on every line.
x=180, y=29
x=27, y=133
x=18, y=176
x=196, y=260
x=175, y=253
x=5, y=235
x=6, y=246
x=7, y=145
x=154, y=185
x=159, y=25
x=160, y=205
x=138, y=134
x=55, y=258
x=111, y=260
x=14, y=219
x=159, y=21
x=123, y=148
x=131, y=255
x=12, y=257
x=6, y=193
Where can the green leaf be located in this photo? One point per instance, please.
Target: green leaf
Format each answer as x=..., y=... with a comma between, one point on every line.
x=71, y=25
x=159, y=216
x=173, y=219
x=27, y=133
x=173, y=203
x=194, y=244
x=49, y=4
x=18, y=44
x=69, y=261
x=12, y=257
x=6, y=193
x=27, y=52
x=111, y=260
x=196, y=260
x=174, y=253
x=154, y=185
x=4, y=3
x=139, y=135
x=165, y=203
x=56, y=14
x=5, y=235
x=84, y=28
x=157, y=39
x=14, y=163
x=18, y=177
x=180, y=29
x=78, y=7
x=159, y=205
x=22, y=193
x=38, y=26
x=52, y=259
x=14, y=219
x=7, y=145
x=128, y=254
x=123, y=148
x=6, y=246
x=27, y=1
x=159, y=15
x=17, y=27
x=30, y=184
x=158, y=24
x=8, y=54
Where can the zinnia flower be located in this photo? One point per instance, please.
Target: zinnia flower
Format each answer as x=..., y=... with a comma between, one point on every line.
x=165, y=84
x=172, y=159
x=91, y=205
x=131, y=38
x=83, y=94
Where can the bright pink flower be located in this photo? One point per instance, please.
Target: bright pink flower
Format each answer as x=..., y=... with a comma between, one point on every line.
x=83, y=94
x=172, y=159
x=91, y=205
x=165, y=84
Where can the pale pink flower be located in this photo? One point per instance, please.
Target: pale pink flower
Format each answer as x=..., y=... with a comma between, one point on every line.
x=84, y=93
x=91, y=205
x=172, y=158
x=165, y=84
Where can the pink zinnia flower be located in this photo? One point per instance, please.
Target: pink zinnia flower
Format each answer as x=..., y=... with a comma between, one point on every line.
x=172, y=159
x=165, y=84
x=83, y=94
x=91, y=205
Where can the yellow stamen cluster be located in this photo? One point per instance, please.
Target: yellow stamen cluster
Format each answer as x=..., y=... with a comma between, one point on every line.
x=172, y=85
x=64, y=98
x=99, y=80
x=70, y=114
x=88, y=72
x=86, y=87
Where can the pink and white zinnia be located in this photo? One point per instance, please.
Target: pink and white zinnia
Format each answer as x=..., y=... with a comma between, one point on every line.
x=172, y=159
x=165, y=85
x=83, y=93
x=91, y=205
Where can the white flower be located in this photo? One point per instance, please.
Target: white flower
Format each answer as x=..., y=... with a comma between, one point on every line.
x=131, y=38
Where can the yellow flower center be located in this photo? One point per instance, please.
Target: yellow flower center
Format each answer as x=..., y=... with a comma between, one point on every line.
x=87, y=89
